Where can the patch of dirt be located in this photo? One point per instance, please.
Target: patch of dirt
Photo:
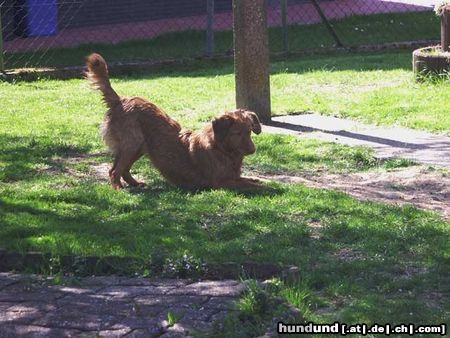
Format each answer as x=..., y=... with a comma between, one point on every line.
x=68, y=166
x=433, y=300
x=422, y=187
x=348, y=255
x=101, y=170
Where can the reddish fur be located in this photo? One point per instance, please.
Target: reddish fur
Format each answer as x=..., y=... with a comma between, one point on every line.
x=209, y=158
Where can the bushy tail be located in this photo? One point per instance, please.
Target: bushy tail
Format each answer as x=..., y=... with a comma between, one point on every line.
x=97, y=74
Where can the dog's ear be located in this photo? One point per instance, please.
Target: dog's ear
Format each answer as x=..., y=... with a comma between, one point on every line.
x=256, y=125
x=221, y=125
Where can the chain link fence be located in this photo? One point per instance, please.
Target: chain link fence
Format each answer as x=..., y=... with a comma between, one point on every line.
x=41, y=33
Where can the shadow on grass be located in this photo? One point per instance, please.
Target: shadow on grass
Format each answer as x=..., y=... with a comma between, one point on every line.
x=24, y=157
x=369, y=262
x=344, y=133
x=336, y=62
x=361, y=261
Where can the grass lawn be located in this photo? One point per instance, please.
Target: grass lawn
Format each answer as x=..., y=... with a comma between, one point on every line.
x=375, y=88
x=360, y=262
x=356, y=30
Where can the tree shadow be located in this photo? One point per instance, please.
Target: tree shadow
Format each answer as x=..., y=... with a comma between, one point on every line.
x=337, y=62
x=25, y=157
x=365, y=253
x=292, y=64
x=353, y=135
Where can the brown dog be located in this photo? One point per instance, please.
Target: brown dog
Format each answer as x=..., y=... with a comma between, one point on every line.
x=209, y=158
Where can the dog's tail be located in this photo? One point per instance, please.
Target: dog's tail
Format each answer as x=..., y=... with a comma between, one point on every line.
x=97, y=74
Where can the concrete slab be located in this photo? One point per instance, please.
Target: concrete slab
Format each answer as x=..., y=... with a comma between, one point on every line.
x=387, y=142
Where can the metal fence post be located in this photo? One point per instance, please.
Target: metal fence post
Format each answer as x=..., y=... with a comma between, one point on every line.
x=210, y=28
x=284, y=25
x=327, y=23
x=2, y=64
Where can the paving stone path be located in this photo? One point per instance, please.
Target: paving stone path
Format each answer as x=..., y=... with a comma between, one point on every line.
x=32, y=306
x=387, y=142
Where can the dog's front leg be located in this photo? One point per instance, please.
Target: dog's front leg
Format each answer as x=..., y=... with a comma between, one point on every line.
x=253, y=179
x=240, y=183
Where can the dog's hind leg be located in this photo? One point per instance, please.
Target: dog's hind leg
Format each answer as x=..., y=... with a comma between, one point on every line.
x=128, y=163
x=114, y=174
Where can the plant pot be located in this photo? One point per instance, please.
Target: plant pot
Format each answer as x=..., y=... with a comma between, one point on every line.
x=431, y=61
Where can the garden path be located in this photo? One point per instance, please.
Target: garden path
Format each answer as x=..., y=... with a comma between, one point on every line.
x=32, y=306
x=387, y=142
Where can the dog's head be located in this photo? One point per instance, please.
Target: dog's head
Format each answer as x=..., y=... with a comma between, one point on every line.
x=233, y=131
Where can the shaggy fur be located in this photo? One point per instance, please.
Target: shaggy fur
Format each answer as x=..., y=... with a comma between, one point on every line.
x=209, y=158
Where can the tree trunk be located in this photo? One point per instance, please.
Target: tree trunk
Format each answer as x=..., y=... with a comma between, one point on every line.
x=251, y=57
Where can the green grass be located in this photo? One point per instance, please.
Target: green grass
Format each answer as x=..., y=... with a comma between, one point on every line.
x=256, y=310
x=290, y=155
x=400, y=256
x=355, y=30
x=375, y=88
x=370, y=263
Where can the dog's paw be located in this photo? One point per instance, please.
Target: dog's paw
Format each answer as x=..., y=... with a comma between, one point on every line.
x=136, y=184
x=117, y=186
x=256, y=180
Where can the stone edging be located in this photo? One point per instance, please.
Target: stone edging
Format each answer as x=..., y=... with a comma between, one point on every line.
x=118, y=68
x=115, y=265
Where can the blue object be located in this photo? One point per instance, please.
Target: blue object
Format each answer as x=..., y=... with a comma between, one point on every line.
x=41, y=17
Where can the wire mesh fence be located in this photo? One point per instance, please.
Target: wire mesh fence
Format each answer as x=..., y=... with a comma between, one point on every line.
x=40, y=33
